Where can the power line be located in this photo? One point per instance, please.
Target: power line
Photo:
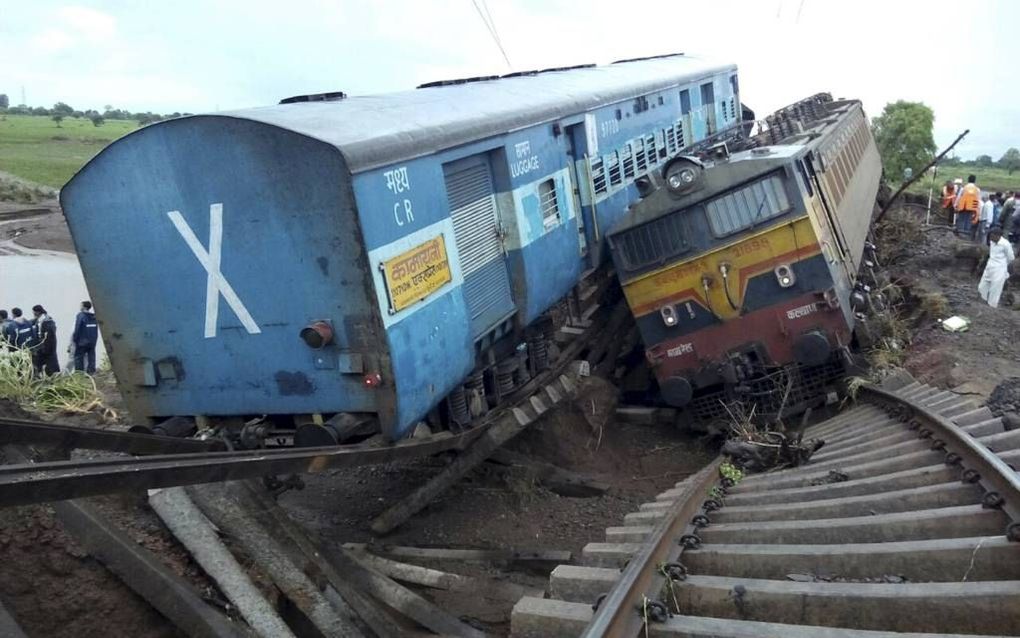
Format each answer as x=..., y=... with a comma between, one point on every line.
x=492, y=23
x=492, y=32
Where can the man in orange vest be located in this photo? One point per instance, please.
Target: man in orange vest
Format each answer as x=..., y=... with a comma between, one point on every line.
x=968, y=207
x=948, y=197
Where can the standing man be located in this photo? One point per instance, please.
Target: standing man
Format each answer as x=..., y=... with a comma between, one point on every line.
x=6, y=332
x=1006, y=214
x=948, y=199
x=968, y=207
x=84, y=339
x=44, y=355
x=23, y=332
x=996, y=208
x=1000, y=255
x=985, y=219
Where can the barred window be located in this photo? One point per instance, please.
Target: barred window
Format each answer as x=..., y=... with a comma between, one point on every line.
x=653, y=243
x=547, y=201
x=746, y=206
x=598, y=175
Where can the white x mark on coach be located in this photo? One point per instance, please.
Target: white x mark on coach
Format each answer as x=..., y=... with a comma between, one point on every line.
x=216, y=283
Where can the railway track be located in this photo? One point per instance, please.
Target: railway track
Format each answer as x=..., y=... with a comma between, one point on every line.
x=904, y=524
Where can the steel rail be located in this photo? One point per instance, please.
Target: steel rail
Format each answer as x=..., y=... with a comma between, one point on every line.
x=29, y=432
x=994, y=474
x=61, y=480
x=620, y=613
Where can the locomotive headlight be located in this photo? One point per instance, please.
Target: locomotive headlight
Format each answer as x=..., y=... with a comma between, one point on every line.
x=682, y=175
x=785, y=276
x=668, y=315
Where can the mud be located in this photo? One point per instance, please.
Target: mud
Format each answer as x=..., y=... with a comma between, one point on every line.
x=971, y=363
x=502, y=510
x=39, y=226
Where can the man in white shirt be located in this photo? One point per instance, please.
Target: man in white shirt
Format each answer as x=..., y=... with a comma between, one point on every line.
x=984, y=218
x=1000, y=256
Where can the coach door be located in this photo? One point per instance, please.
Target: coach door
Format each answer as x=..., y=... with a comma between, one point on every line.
x=478, y=235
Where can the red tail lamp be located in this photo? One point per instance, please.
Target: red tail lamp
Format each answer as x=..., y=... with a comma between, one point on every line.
x=373, y=379
x=317, y=335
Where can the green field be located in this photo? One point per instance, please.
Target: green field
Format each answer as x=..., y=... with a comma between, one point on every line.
x=34, y=148
x=989, y=179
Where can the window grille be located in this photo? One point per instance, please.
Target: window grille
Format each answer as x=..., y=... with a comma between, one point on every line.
x=548, y=203
x=598, y=175
x=613, y=165
x=653, y=243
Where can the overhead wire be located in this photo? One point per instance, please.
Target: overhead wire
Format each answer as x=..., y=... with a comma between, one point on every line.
x=492, y=23
x=492, y=32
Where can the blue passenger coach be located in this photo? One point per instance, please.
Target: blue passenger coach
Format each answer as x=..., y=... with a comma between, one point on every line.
x=360, y=254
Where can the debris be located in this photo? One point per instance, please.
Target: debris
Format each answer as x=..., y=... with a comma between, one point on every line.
x=136, y=566
x=436, y=579
x=512, y=423
x=644, y=415
x=956, y=323
x=1005, y=398
x=834, y=476
x=470, y=555
x=554, y=478
x=399, y=598
x=755, y=448
x=232, y=510
x=199, y=536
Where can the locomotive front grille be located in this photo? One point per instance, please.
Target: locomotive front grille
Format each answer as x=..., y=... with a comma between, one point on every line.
x=766, y=392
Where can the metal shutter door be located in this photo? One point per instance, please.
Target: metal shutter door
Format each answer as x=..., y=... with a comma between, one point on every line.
x=470, y=192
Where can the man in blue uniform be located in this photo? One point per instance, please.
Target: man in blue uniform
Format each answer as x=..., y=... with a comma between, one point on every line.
x=44, y=352
x=84, y=339
x=23, y=331
x=6, y=332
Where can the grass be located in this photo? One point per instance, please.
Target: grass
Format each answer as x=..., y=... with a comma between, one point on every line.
x=63, y=393
x=990, y=179
x=34, y=148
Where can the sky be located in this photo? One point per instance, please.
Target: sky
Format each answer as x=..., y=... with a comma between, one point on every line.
x=206, y=55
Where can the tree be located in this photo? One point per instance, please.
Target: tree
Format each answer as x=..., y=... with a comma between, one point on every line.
x=984, y=161
x=903, y=133
x=1010, y=160
x=4, y=101
x=58, y=118
x=62, y=108
x=97, y=119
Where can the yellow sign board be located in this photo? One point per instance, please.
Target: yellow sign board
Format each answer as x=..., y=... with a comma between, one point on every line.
x=417, y=273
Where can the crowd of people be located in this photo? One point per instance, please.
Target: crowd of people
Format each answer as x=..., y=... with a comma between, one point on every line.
x=988, y=218
x=38, y=335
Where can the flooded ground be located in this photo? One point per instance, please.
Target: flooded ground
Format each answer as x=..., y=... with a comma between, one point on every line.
x=52, y=279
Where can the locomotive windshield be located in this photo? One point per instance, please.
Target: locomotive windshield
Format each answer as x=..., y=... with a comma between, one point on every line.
x=744, y=207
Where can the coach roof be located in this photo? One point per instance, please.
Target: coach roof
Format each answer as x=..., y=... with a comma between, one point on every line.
x=377, y=130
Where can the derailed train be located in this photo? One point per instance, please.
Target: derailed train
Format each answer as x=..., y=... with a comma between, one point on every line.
x=743, y=273
x=380, y=256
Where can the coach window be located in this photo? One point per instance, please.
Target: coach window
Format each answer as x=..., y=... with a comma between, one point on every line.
x=685, y=102
x=550, y=206
x=734, y=84
x=707, y=94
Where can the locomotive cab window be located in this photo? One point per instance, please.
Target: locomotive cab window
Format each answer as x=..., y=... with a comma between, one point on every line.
x=685, y=102
x=748, y=205
x=549, y=204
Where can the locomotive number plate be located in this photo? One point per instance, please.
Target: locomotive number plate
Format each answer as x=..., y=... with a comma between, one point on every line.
x=417, y=273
